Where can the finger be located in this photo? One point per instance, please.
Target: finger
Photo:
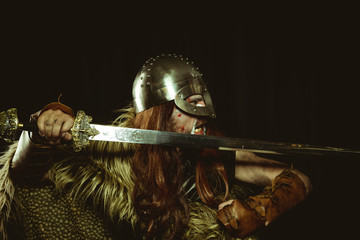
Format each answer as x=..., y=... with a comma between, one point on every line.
x=68, y=123
x=44, y=124
x=56, y=128
x=41, y=126
x=66, y=136
x=48, y=126
x=40, y=121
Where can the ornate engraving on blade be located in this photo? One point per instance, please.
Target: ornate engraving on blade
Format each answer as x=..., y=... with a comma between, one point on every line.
x=134, y=136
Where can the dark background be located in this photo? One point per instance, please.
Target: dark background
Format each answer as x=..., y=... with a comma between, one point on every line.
x=289, y=77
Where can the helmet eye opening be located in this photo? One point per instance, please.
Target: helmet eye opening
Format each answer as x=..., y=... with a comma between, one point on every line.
x=196, y=100
x=184, y=97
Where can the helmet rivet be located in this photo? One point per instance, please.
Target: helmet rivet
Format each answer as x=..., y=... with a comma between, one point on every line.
x=194, y=109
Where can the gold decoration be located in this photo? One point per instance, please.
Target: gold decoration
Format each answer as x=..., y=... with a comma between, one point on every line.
x=9, y=124
x=81, y=131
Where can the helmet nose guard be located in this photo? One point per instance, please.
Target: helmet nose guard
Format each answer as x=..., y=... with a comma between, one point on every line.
x=170, y=77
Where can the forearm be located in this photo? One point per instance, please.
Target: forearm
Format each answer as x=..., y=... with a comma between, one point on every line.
x=244, y=217
x=33, y=155
x=257, y=170
x=30, y=160
x=262, y=171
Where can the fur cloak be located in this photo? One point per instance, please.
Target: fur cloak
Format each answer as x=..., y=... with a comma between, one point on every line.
x=103, y=177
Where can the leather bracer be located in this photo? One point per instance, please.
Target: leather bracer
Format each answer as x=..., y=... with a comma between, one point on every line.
x=243, y=217
x=58, y=106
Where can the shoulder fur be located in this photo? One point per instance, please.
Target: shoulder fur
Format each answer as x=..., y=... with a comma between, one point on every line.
x=7, y=188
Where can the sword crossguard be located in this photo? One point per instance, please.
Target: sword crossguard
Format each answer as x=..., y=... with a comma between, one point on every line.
x=81, y=131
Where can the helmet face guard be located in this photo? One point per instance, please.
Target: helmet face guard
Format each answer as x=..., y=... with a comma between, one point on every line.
x=170, y=77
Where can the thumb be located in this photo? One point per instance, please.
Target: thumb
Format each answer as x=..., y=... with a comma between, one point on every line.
x=222, y=205
x=66, y=136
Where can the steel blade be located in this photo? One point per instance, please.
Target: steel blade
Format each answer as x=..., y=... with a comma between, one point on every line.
x=143, y=136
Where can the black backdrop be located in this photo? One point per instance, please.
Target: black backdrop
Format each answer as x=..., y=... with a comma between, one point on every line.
x=290, y=79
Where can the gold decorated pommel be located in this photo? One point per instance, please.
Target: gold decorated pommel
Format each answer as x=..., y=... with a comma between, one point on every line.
x=9, y=124
x=81, y=131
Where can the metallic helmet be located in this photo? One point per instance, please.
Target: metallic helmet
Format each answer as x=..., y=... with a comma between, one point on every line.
x=170, y=77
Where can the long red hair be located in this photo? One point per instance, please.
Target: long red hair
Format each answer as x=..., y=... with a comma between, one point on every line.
x=158, y=194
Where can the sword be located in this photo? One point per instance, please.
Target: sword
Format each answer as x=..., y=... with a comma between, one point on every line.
x=83, y=132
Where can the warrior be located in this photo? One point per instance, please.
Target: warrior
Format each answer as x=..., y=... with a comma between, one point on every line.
x=112, y=189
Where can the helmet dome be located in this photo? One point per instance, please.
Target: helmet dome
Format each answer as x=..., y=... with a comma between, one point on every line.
x=170, y=77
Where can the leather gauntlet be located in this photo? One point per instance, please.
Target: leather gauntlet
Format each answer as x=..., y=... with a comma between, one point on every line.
x=58, y=106
x=243, y=217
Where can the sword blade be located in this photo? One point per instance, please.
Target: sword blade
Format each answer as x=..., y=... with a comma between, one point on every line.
x=144, y=136
x=82, y=131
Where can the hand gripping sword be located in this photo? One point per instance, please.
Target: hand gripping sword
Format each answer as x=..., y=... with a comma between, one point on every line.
x=83, y=132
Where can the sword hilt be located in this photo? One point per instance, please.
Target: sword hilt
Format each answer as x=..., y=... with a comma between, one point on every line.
x=81, y=130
